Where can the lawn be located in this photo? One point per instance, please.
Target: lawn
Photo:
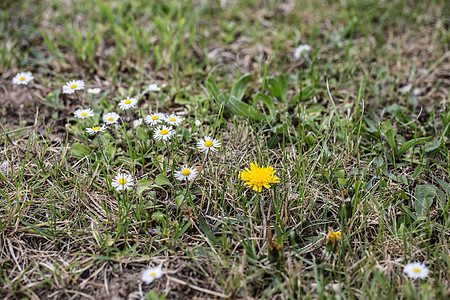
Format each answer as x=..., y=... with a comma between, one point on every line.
x=224, y=149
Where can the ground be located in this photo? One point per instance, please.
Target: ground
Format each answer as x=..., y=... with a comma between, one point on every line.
x=356, y=129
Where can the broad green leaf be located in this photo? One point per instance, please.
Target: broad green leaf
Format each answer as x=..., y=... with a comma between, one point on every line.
x=213, y=89
x=433, y=145
x=206, y=230
x=390, y=133
x=410, y=144
x=143, y=185
x=110, y=151
x=424, y=195
x=161, y=180
x=278, y=87
x=306, y=93
x=268, y=101
x=239, y=87
x=242, y=109
x=141, y=134
x=444, y=185
x=79, y=150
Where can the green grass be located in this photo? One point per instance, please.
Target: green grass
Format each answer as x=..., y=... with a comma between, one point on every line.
x=353, y=153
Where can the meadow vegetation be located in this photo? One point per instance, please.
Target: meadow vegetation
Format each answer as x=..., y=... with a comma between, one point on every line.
x=234, y=166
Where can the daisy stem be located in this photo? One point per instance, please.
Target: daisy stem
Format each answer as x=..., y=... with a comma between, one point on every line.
x=81, y=101
x=168, y=154
x=263, y=216
x=101, y=149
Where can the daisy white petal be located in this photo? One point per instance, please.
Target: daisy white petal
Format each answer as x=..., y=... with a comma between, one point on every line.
x=154, y=119
x=173, y=120
x=416, y=270
x=83, y=113
x=71, y=86
x=198, y=123
x=153, y=88
x=128, y=103
x=123, y=181
x=94, y=91
x=23, y=78
x=96, y=129
x=300, y=50
x=186, y=173
x=208, y=144
x=110, y=118
x=138, y=122
x=163, y=133
x=151, y=274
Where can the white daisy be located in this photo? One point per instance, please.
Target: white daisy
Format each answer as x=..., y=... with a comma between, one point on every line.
x=186, y=173
x=153, y=88
x=71, y=86
x=23, y=78
x=138, y=122
x=198, y=123
x=94, y=91
x=110, y=118
x=300, y=50
x=122, y=181
x=128, y=103
x=173, y=120
x=151, y=273
x=83, y=113
x=208, y=144
x=416, y=270
x=163, y=133
x=95, y=130
x=154, y=119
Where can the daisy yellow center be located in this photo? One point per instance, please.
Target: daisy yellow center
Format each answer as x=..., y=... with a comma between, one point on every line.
x=122, y=181
x=73, y=86
x=83, y=114
x=22, y=78
x=96, y=128
x=185, y=172
x=155, y=118
x=127, y=101
x=172, y=119
x=164, y=132
x=416, y=270
x=259, y=177
x=153, y=274
x=208, y=143
x=111, y=119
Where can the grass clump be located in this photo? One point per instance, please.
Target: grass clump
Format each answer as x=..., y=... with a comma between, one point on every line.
x=125, y=152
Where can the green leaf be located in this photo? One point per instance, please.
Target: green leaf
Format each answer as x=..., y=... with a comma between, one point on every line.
x=390, y=133
x=424, y=195
x=79, y=150
x=410, y=144
x=306, y=93
x=278, y=87
x=141, y=134
x=214, y=91
x=239, y=87
x=110, y=151
x=143, y=185
x=161, y=180
x=268, y=101
x=444, y=185
x=206, y=230
x=240, y=108
x=431, y=146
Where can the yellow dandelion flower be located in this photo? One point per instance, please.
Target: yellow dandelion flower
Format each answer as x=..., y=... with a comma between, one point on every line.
x=259, y=177
x=333, y=237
